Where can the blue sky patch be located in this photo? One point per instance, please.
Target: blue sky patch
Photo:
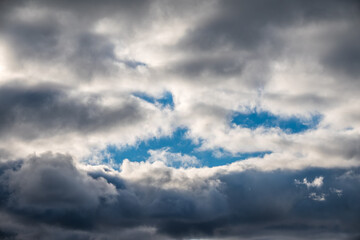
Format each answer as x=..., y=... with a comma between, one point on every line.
x=166, y=99
x=177, y=143
x=133, y=64
x=292, y=124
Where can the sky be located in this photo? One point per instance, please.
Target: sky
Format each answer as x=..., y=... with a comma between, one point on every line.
x=190, y=119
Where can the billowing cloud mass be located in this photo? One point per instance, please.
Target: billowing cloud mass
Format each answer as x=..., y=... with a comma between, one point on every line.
x=214, y=119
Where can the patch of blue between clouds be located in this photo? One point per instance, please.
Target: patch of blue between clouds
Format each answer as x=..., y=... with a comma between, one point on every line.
x=165, y=100
x=133, y=64
x=290, y=125
x=177, y=143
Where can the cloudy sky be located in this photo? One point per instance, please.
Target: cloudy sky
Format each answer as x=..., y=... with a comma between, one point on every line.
x=191, y=119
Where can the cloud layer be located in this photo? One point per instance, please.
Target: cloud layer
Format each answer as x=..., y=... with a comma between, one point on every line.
x=269, y=86
x=49, y=195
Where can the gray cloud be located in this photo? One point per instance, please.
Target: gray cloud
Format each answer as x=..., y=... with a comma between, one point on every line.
x=250, y=35
x=344, y=57
x=246, y=24
x=209, y=66
x=87, y=9
x=94, y=9
x=50, y=191
x=37, y=40
x=94, y=55
x=87, y=54
x=33, y=112
x=62, y=33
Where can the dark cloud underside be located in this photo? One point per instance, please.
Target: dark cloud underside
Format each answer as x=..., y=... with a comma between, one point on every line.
x=49, y=190
x=35, y=111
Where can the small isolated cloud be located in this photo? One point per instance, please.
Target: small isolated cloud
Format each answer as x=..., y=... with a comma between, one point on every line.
x=316, y=183
x=172, y=159
x=338, y=192
x=317, y=196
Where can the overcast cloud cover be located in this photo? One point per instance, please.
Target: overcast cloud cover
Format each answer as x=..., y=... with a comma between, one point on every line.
x=205, y=119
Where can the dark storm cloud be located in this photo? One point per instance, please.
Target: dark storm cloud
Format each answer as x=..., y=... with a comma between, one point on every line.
x=84, y=9
x=236, y=25
x=37, y=40
x=249, y=27
x=50, y=191
x=66, y=37
x=246, y=24
x=270, y=204
x=96, y=9
x=87, y=54
x=344, y=57
x=31, y=112
x=209, y=66
x=94, y=54
x=54, y=182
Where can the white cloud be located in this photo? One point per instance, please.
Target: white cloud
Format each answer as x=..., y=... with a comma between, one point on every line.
x=338, y=192
x=172, y=159
x=284, y=75
x=317, y=197
x=316, y=183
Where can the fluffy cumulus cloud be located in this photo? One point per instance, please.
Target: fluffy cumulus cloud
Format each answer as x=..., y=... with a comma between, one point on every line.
x=179, y=119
